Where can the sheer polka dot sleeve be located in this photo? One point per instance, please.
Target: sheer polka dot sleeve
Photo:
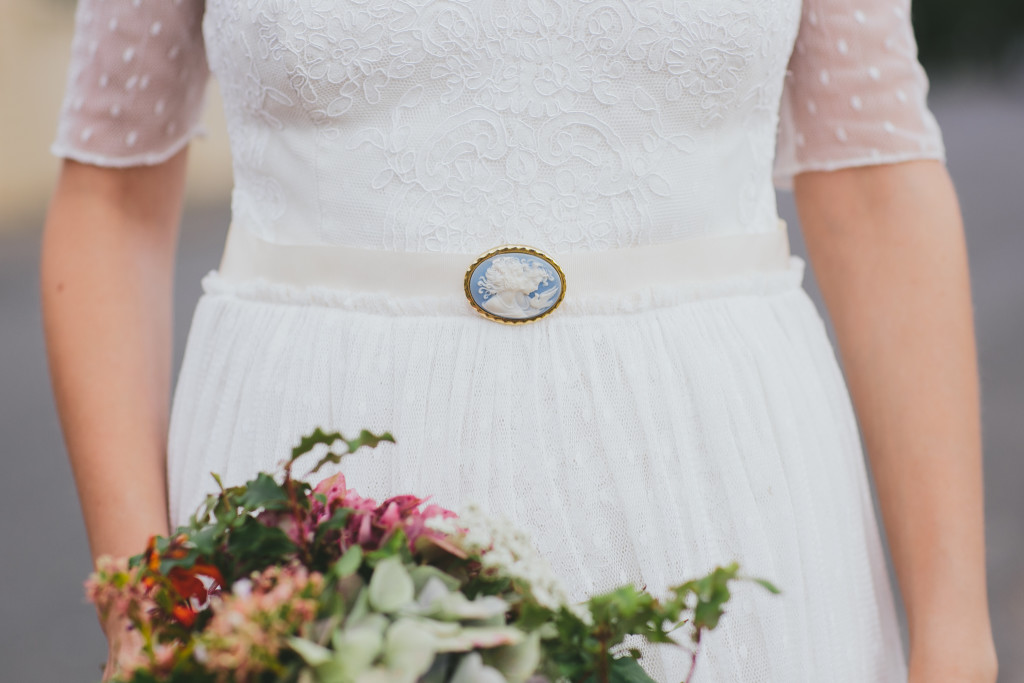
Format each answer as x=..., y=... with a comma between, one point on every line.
x=855, y=93
x=136, y=81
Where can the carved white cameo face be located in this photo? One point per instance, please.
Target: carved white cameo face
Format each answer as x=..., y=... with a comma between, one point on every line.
x=514, y=284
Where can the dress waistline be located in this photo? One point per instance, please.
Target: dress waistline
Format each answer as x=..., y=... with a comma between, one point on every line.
x=248, y=258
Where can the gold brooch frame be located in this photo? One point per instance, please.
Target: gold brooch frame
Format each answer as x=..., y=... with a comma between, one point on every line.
x=512, y=249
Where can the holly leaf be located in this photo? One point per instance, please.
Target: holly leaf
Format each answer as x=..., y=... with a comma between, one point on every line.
x=208, y=539
x=255, y=546
x=627, y=670
x=264, y=492
x=308, y=443
x=365, y=438
x=319, y=436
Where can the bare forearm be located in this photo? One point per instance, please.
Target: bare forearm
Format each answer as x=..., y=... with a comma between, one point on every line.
x=888, y=250
x=107, y=269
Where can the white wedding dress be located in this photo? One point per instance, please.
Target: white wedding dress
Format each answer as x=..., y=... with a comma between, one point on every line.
x=644, y=437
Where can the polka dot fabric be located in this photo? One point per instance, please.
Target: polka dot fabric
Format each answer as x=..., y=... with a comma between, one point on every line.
x=136, y=82
x=855, y=93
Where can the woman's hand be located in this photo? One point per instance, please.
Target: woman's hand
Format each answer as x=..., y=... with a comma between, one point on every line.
x=963, y=665
x=124, y=646
x=948, y=651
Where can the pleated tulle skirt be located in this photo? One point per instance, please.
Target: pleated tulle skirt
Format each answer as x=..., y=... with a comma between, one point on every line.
x=643, y=438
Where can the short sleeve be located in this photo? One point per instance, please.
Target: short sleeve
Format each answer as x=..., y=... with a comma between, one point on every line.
x=136, y=82
x=855, y=93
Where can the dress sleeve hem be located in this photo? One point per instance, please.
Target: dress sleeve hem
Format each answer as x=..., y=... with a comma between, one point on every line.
x=783, y=177
x=62, y=150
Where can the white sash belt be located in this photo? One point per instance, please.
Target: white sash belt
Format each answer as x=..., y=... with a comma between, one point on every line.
x=249, y=257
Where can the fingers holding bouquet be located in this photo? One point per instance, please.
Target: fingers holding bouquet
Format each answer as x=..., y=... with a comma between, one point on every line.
x=124, y=647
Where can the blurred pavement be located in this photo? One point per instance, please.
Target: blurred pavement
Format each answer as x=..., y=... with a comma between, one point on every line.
x=49, y=634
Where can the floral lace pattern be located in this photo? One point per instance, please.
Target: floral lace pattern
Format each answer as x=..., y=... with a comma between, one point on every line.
x=457, y=125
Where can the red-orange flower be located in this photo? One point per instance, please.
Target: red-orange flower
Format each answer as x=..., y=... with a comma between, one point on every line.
x=152, y=556
x=186, y=584
x=185, y=615
x=184, y=581
x=210, y=571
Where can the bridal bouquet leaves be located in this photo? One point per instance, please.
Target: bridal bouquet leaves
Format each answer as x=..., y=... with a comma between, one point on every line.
x=285, y=582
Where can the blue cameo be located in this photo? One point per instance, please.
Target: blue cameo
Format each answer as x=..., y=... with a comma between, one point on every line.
x=515, y=286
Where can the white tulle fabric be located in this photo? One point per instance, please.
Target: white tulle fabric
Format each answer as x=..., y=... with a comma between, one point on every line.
x=640, y=439
x=644, y=436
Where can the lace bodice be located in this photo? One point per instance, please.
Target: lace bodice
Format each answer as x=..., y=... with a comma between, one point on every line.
x=457, y=125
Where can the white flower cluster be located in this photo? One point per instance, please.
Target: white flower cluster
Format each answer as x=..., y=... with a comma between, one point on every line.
x=508, y=550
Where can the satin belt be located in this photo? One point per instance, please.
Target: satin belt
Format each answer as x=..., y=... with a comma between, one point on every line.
x=249, y=257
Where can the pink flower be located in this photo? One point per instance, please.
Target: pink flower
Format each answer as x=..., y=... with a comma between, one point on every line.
x=286, y=522
x=118, y=590
x=127, y=607
x=370, y=524
x=249, y=627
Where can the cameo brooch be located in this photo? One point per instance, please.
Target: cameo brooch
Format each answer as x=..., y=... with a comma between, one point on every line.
x=514, y=285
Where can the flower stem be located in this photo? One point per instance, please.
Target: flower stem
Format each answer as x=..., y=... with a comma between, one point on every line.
x=289, y=485
x=693, y=657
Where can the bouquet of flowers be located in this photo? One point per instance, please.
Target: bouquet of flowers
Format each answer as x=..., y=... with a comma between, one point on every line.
x=285, y=582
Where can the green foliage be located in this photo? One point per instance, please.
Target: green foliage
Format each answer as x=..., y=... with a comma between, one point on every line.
x=263, y=492
x=254, y=546
x=348, y=564
x=224, y=529
x=625, y=670
x=319, y=437
x=584, y=652
x=396, y=545
x=391, y=606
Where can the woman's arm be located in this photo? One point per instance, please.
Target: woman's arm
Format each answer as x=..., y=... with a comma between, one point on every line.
x=107, y=273
x=887, y=246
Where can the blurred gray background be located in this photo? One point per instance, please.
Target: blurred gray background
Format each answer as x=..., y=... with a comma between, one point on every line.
x=47, y=631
